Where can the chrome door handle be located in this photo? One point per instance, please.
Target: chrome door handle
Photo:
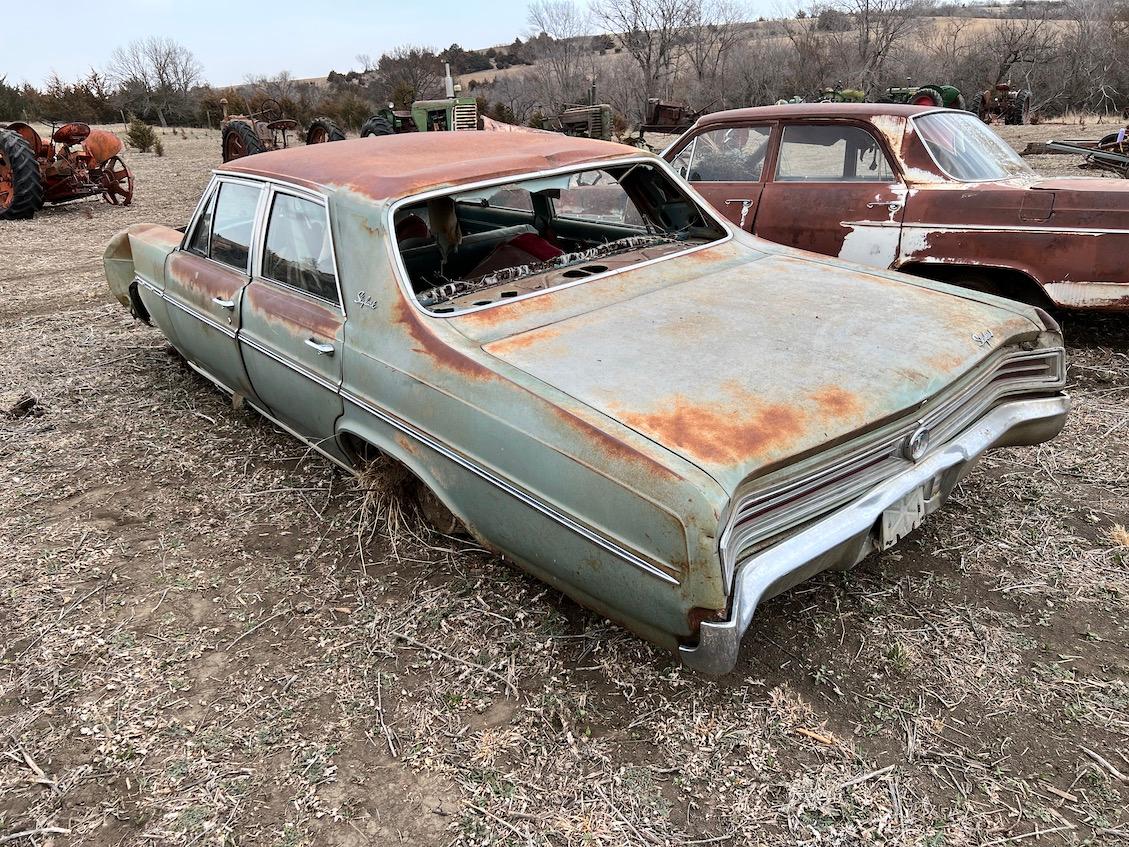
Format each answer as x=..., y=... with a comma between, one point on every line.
x=224, y=304
x=323, y=349
x=739, y=200
x=892, y=205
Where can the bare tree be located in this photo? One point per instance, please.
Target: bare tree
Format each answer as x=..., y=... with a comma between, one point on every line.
x=281, y=86
x=559, y=41
x=517, y=93
x=713, y=29
x=651, y=32
x=878, y=28
x=154, y=75
x=408, y=73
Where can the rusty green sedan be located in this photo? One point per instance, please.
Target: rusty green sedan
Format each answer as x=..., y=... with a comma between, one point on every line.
x=665, y=418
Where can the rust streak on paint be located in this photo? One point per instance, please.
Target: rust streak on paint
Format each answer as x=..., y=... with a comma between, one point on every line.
x=434, y=348
x=522, y=341
x=610, y=447
x=833, y=401
x=720, y=433
x=294, y=312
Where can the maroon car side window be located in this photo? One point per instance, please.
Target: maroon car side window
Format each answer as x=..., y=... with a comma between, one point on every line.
x=831, y=153
x=732, y=154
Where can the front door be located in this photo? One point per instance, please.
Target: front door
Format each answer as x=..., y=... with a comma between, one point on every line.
x=293, y=322
x=834, y=191
x=726, y=165
x=205, y=283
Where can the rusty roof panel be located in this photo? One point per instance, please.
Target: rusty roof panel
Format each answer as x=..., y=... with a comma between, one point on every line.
x=394, y=166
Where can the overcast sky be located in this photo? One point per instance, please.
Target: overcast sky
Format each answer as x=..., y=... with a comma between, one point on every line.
x=234, y=38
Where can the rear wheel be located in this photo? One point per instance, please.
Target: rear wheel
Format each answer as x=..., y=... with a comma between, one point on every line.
x=1019, y=112
x=377, y=125
x=239, y=140
x=927, y=97
x=116, y=182
x=21, y=184
x=959, y=103
x=323, y=130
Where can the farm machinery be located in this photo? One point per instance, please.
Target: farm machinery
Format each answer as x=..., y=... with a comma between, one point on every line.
x=266, y=129
x=946, y=96
x=75, y=162
x=449, y=114
x=1110, y=154
x=1002, y=102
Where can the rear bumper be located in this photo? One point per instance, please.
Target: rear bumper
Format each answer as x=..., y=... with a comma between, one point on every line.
x=846, y=536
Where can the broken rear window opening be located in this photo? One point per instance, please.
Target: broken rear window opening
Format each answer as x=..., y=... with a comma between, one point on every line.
x=966, y=150
x=488, y=245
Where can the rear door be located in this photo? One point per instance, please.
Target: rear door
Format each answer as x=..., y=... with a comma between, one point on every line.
x=834, y=191
x=206, y=278
x=727, y=166
x=293, y=319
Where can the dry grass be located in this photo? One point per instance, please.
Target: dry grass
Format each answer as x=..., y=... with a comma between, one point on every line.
x=211, y=636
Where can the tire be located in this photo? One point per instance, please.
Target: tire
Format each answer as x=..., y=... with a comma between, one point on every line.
x=927, y=97
x=1019, y=112
x=323, y=130
x=960, y=104
x=239, y=140
x=21, y=183
x=377, y=125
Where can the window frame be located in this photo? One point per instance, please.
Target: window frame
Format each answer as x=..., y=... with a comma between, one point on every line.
x=274, y=189
x=771, y=145
x=403, y=278
x=892, y=161
x=218, y=180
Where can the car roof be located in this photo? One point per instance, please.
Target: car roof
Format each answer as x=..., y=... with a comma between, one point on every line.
x=815, y=110
x=393, y=166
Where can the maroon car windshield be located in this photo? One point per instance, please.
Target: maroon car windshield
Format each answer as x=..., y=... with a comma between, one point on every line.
x=966, y=150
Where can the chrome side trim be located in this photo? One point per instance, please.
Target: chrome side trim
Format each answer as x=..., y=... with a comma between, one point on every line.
x=288, y=362
x=200, y=316
x=512, y=490
x=1047, y=230
x=404, y=279
x=719, y=642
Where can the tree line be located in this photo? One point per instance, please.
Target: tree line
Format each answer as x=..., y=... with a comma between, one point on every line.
x=1072, y=54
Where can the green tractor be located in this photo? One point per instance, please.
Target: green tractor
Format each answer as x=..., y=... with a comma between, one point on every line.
x=946, y=96
x=449, y=114
x=840, y=95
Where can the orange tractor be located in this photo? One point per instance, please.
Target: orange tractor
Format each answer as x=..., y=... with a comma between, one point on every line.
x=266, y=129
x=76, y=162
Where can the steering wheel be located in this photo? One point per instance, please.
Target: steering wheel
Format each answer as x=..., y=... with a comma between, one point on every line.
x=269, y=110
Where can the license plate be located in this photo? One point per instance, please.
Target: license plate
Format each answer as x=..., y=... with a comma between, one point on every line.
x=902, y=518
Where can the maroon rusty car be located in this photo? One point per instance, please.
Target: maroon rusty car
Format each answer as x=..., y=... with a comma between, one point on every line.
x=932, y=192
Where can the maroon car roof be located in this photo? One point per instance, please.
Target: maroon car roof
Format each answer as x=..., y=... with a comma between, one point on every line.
x=394, y=166
x=814, y=110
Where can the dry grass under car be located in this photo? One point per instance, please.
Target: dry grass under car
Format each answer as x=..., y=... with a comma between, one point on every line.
x=211, y=636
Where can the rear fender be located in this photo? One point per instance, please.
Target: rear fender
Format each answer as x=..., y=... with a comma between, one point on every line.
x=101, y=145
x=139, y=251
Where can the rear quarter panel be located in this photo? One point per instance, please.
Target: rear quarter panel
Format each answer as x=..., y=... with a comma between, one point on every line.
x=140, y=252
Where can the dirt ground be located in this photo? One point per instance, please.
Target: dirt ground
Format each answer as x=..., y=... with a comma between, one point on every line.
x=209, y=635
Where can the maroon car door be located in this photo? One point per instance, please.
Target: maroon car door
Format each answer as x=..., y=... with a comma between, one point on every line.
x=726, y=165
x=833, y=191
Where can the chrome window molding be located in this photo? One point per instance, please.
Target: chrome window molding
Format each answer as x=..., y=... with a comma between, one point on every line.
x=274, y=188
x=764, y=508
x=401, y=271
x=256, y=223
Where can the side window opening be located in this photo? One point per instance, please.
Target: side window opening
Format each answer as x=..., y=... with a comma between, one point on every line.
x=200, y=242
x=730, y=154
x=298, y=250
x=490, y=244
x=233, y=224
x=831, y=153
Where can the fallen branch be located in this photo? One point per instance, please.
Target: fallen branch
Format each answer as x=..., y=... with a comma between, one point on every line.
x=1037, y=832
x=866, y=776
x=1114, y=772
x=509, y=685
x=31, y=833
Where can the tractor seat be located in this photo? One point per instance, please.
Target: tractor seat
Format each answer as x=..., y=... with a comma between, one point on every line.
x=73, y=133
x=285, y=123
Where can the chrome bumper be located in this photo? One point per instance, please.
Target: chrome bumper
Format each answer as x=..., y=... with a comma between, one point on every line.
x=846, y=536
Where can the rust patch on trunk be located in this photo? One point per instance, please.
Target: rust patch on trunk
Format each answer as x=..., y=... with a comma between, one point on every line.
x=522, y=341
x=835, y=402
x=721, y=434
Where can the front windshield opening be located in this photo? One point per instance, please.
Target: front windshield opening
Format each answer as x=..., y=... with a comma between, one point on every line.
x=966, y=149
x=488, y=245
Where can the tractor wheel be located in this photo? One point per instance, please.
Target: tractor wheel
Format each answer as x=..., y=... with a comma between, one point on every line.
x=1019, y=111
x=323, y=130
x=21, y=183
x=960, y=104
x=1110, y=140
x=927, y=97
x=239, y=140
x=377, y=125
x=116, y=182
